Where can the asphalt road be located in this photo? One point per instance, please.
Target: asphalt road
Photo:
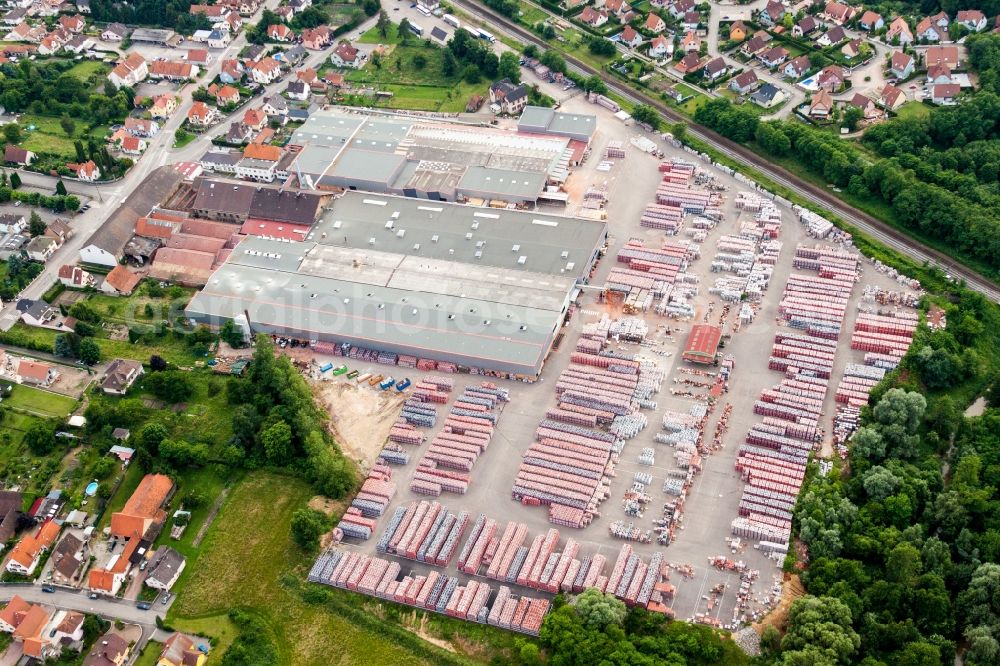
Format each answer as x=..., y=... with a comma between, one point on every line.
x=113, y=609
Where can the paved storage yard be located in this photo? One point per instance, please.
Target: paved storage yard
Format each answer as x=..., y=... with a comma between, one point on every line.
x=703, y=592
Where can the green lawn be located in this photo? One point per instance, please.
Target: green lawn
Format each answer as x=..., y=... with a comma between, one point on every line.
x=49, y=137
x=87, y=68
x=373, y=36
x=913, y=110
x=133, y=475
x=150, y=654
x=208, y=482
x=40, y=402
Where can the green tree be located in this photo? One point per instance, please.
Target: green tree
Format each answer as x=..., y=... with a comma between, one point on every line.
x=277, y=443
x=383, y=24
x=36, y=226
x=232, y=335
x=471, y=74
x=172, y=386
x=595, y=84
x=852, y=116
x=15, y=180
x=644, y=113
x=12, y=133
x=819, y=632
x=598, y=610
x=510, y=67
x=40, y=437
x=90, y=353
x=150, y=437
x=404, y=31
x=419, y=61
x=183, y=454
x=68, y=124
x=308, y=525
x=371, y=7
x=60, y=188
x=66, y=344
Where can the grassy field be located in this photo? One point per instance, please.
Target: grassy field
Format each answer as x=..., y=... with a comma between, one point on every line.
x=373, y=36
x=249, y=561
x=87, y=68
x=150, y=654
x=913, y=110
x=49, y=137
x=208, y=482
x=40, y=402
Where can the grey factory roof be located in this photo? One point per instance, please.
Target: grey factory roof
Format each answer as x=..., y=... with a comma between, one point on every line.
x=424, y=158
x=457, y=233
x=577, y=125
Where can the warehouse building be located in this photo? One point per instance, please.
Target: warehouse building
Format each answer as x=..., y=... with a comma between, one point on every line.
x=472, y=286
x=702, y=344
x=542, y=120
x=427, y=159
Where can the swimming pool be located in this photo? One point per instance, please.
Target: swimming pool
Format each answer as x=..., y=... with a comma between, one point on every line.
x=91, y=489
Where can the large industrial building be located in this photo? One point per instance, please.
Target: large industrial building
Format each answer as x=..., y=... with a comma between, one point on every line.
x=473, y=286
x=429, y=159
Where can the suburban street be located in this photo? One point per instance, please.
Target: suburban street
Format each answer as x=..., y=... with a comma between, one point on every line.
x=115, y=609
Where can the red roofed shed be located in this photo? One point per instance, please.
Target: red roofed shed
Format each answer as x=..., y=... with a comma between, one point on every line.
x=702, y=344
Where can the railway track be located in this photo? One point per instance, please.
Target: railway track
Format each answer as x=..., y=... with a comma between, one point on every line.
x=868, y=224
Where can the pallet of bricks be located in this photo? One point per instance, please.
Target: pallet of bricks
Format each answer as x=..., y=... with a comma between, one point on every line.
x=378, y=489
x=423, y=531
x=447, y=463
x=475, y=602
x=650, y=274
x=773, y=459
x=568, y=467
x=419, y=409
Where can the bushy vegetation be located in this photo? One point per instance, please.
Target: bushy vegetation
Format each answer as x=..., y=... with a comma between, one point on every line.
x=937, y=174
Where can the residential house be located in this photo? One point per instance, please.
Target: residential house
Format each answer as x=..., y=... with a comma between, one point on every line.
x=173, y=71
x=163, y=107
x=59, y=230
x=768, y=96
x=214, y=13
x=275, y=106
x=948, y=55
x=36, y=313
x=120, y=376
x=254, y=52
x=690, y=43
x=221, y=161
x=23, y=32
x=689, y=64
x=317, y=39
x=654, y=24
x=939, y=73
x=772, y=13
x=928, y=30
x=852, y=49
x=164, y=569
x=280, y=32
x=892, y=97
x=109, y=650
x=678, y=8
x=691, y=21
x=41, y=248
x=114, y=32
x=255, y=119
x=238, y=133
x=219, y=39
x=292, y=57
x=202, y=115
x=834, y=35
x=773, y=57
x=509, y=97
x=838, y=12
x=871, y=21
x=15, y=16
x=39, y=632
x=659, y=47
x=78, y=44
x=35, y=373
x=899, y=31
x=141, y=127
x=285, y=12
x=10, y=500
x=737, y=31
x=15, y=155
x=630, y=37
x=72, y=23
x=945, y=94
x=199, y=57
x=756, y=44
x=143, y=514
x=227, y=95
x=744, y=83
x=120, y=281
x=806, y=26
x=129, y=72
x=797, y=67
x=901, y=65
x=51, y=43
x=12, y=223
x=346, y=56
x=75, y=277
x=26, y=554
x=132, y=145
x=232, y=24
x=68, y=558
x=231, y=72
x=265, y=70
x=593, y=17
x=715, y=69
x=181, y=650
x=821, y=105
x=972, y=20
x=831, y=78
x=200, y=36
x=297, y=90
x=867, y=105
x=334, y=80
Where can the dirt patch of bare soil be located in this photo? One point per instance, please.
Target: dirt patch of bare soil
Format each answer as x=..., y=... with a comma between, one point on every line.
x=360, y=417
x=778, y=618
x=326, y=505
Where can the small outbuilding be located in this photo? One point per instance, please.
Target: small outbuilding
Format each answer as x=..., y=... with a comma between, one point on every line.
x=702, y=344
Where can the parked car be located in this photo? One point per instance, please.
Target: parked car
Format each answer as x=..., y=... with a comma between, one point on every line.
x=143, y=606
x=48, y=588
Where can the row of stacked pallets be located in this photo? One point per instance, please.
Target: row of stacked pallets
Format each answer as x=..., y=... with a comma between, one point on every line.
x=475, y=601
x=378, y=489
x=772, y=461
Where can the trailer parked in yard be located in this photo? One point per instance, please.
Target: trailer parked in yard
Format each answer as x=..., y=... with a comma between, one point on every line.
x=403, y=385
